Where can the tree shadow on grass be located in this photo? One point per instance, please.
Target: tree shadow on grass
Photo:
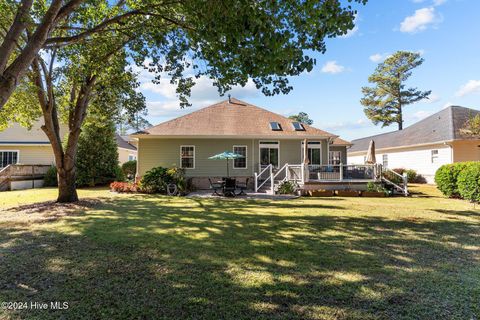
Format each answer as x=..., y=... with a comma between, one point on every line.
x=159, y=257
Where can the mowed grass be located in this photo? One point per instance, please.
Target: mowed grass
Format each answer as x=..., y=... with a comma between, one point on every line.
x=157, y=257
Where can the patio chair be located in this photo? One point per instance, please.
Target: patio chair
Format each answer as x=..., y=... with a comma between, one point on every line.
x=229, y=187
x=216, y=186
x=242, y=186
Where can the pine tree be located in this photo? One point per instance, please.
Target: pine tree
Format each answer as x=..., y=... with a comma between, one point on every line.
x=385, y=101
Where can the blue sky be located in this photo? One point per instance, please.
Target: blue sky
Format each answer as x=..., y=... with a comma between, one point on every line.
x=445, y=32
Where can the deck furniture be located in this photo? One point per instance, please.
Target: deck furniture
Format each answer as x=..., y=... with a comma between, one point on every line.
x=216, y=186
x=229, y=187
x=242, y=186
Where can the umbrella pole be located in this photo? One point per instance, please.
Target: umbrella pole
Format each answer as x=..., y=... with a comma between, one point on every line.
x=228, y=175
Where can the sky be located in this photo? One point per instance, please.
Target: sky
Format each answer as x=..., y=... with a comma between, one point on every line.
x=445, y=32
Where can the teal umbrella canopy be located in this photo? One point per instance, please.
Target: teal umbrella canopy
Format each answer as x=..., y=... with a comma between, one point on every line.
x=227, y=155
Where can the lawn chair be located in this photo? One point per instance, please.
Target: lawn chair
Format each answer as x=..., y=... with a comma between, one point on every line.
x=229, y=187
x=242, y=186
x=215, y=186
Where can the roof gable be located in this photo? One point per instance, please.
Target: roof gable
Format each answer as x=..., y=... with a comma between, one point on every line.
x=233, y=118
x=444, y=125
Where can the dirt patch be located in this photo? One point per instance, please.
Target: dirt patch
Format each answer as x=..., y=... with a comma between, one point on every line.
x=47, y=211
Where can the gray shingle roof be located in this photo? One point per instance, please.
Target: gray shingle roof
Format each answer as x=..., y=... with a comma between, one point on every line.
x=123, y=144
x=444, y=125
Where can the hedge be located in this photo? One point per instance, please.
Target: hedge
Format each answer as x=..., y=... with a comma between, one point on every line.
x=469, y=182
x=446, y=178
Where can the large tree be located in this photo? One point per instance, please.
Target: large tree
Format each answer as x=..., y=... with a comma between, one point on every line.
x=384, y=102
x=85, y=62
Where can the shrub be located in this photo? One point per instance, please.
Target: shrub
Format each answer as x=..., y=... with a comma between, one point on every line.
x=119, y=175
x=157, y=179
x=123, y=187
x=374, y=187
x=468, y=182
x=129, y=169
x=51, y=179
x=446, y=178
x=286, y=187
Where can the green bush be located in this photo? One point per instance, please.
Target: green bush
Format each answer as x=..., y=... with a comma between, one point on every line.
x=119, y=175
x=129, y=169
x=286, y=187
x=51, y=179
x=446, y=178
x=468, y=182
x=157, y=179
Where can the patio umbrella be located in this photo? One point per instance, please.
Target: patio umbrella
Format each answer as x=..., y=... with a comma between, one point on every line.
x=227, y=155
x=371, y=153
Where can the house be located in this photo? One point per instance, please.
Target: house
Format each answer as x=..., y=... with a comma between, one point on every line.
x=424, y=146
x=126, y=149
x=265, y=139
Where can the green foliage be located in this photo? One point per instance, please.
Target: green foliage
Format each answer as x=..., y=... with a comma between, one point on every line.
x=51, y=179
x=97, y=156
x=129, y=168
x=119, y=174
x=376, y=187
x=157, y=179
x=384, y=102
x=469, y=182
x=446, y=178
x=286, y=187
x=302, y=117
x=472, y=126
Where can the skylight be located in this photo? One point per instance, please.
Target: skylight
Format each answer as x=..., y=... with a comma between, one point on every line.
x=275, y=126
x=298, y=126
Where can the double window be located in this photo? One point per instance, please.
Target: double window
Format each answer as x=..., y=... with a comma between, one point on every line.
x=335, y=158
x=132, y=157
x=8, y=157
x=240, y=163
x=269, y=153
x=187, y=157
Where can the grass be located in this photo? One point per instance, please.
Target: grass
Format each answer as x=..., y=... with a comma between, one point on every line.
x=142, y=257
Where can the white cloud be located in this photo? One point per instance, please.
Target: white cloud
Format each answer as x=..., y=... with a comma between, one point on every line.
x=379, y=57
x=472, y=86
x=438, y=2
x=419, y=115
x=348, y=125
x=203, y=94
x=420, y=20
x=332, y=67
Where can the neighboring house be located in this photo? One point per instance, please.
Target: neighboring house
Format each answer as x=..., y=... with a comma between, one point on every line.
x=263, y=137
x=126, y=149
x=23, y=146
x=425, y=145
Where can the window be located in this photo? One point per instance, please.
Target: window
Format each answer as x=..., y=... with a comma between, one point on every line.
x=240, y=163
x=434, y=154
x=385, y=160
x=132, y=157
x=335, y=158
x=8, y=157
x=269, y=153
x=275, y=126
x=298, y=126
x=314, y=152
x=187, y=157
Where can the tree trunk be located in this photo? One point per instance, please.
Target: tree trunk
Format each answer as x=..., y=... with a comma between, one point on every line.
x=67, y=190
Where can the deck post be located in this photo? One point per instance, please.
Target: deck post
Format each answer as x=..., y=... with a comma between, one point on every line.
x=271, y=179
x=405, y=183
x=341, y=171
x=256, y=182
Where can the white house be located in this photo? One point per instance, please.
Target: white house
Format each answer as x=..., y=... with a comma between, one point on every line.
x=424, y=146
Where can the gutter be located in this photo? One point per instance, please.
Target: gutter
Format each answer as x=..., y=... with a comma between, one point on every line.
x=444, y=142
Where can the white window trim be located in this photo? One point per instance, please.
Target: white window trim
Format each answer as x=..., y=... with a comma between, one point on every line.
x=339, y=152
x=271, y=146
x=134, y=157
x=18, y=155
x=314, y=146
x=194, y=152
x=434, y=157
x=246, y=156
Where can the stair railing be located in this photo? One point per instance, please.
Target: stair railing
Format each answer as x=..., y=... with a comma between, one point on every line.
x=268, y=169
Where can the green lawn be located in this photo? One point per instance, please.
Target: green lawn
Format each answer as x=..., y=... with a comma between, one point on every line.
x=153, y=257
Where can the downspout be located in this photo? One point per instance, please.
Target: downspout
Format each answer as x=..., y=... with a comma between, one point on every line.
x=451, y=150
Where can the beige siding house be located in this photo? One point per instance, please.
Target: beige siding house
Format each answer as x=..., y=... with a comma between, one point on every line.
x=23, y=146
x=263, y=137
x=126, y=150
x=424, y=146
